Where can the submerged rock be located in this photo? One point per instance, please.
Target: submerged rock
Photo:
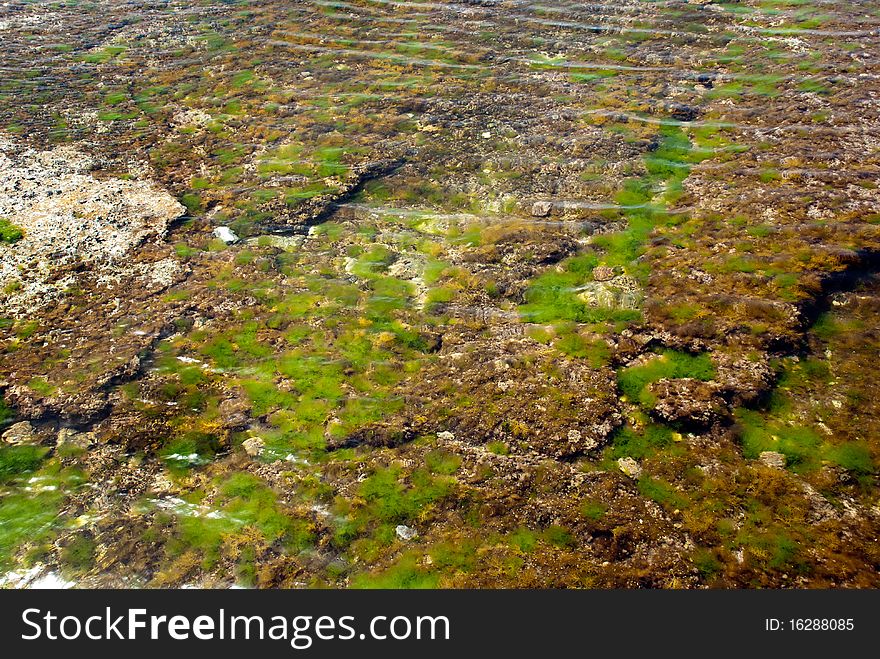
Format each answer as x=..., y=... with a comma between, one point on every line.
x=254, y=446
x=772, y=459
x=687, y=400
x=20, y=433
x=453, y=299
x=603, y=273
x=69, y=218
x=542, y=208
x=630, y=467
x=234, y=413
x=405, y=532
x=71, y=437
x=620, y=292
x=226, y=234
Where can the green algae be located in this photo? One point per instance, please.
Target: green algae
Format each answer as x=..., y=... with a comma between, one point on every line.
x=803, y=447
x=244, y=502
x=321, y=358
x=9, y=233
x=638, y=444
x=30, y=515
x=387, y=501
x=7, y=414
x=18, y=460
x=642, y=203
x=633, y=381
x=406, y=574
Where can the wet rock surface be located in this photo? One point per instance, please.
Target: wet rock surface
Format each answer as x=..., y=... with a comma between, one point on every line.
x=299, y=295
x=629, y=467
x=71, y=222
x=688, y=400
x=20, y=433
x=772, y=459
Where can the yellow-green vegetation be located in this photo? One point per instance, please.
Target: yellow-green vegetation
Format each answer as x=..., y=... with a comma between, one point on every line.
x=670, y=364
x=298, y=378
x=642, y=204
x=554, y=296
x=6, y=413
x=18, y=460
x=406, y=574
x=389, y=500
x=805, y=446
x=30, y=516
x=243, y=506
x=79, y=554
x=595, y=351
x=42, y=386
x=10, y=233
x=466, y=257
x=642, y=443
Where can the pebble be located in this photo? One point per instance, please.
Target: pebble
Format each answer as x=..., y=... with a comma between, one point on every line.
x=630, y=467
x=772, y=459
x=20, y=433
x=405, y=532
x=226, y=234
x=254, y=446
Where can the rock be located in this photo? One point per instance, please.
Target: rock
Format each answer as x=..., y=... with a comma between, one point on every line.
x=542, y=208
x=688, y=400
x=71, y=437
x=682, y=112
x=630, y=467
x=226, y=234
x=772, y=459
x=190, y=118
x=586, y=398
x=821, y=509
x=254, y=446
x=618, y=292
x=603, y=273
x=744, y=380
x=405, y=532
x=20, y=433
x=234, y=413
x=445, y=436
x=70, y=218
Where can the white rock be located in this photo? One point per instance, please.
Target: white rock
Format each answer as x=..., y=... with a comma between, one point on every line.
x=74, y=438
x=69, y=217
x=35, y=578
x=190, y=117
x=51, y=581
x=405, y=532
x=445, y=435
x=630, y=467
x=226, y=234
x=772, y=459
x=20, y=433
x=254, y=446
x=542, y=208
